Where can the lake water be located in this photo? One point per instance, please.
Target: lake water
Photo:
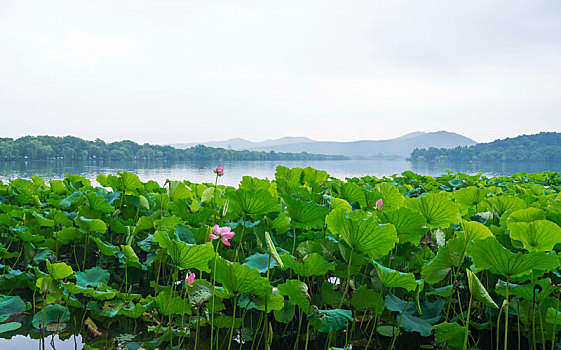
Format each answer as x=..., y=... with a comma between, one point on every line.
x=234, y=171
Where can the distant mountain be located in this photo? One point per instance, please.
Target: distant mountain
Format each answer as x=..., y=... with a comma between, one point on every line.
x=398, y=147
x=542, y=147
x=243, y=144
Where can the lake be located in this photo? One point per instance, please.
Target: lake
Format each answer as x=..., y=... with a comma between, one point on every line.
x=234, y=171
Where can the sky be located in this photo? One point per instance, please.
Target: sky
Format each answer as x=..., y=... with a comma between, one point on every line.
x=187, y=71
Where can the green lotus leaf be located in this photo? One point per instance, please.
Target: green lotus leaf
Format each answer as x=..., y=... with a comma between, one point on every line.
x=47, y=285
x=362, y=232
x=410, y=225
x=144, y=223
x=353, y=193
x=129, y=254
x=69, y=235
x=445, y=292
x=167, y=223
x=411, y=320
x=390, y=195
x=91, y=225
x=254, y=184
x=526, y=215
x=10, y=305
x=536, y=236
x=272, y=249
x=553, y=316
x=387, y=331
x=312, y=177
x=312, y=264
x=504, y=203
x=99, y=203
x=304, y=214
x=251, y=203
x=451, y=333
x=297, y=293
x=102, y=292
x=327, y=321
x=59, y=271
x=54, y=313
x=43, y=221
x=92, y=277
x=67, y=202
x=186, y=256
x=286, y=314
x=489, y=254
x=478, y=291
x=470, y=196
x=8, y=327
x=365, y=298
x=391, y=278
x=261, y=262
x=26, y=236
x=282, y=223
x=274, y=301
x=174, y=305
x=289, y=175
x=448, y=256
x=533, y=292
x=437, y=209
x=178, y=190
x=200, y=291
x=105, y=248
x=241, y=279
x=57, y=187
x=473, y=230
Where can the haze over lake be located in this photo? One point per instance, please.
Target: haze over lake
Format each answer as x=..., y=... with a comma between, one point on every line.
x=234, y=171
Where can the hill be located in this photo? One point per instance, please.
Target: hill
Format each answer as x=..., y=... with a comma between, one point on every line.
x=397, y=147
x=69, y=147
x=243, y=144
x=542, y=147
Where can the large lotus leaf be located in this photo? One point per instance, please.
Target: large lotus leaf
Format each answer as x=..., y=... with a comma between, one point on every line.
x=470, y=196
x=174, y=304
x=489, y=254
x=289, y=175
x=9, y=327
x=144, y=223
x=105, y=248
x=451, y=333
x=272, y=250
x=69, y=235
x=362, y=232
x=437, y=209
x=410, y=225
x=537, y=292
x=304, y=214
x=312, y=264
x=129, y=182
x=130, y=254
x=365, y=298
x=241, y=279
x=261, y=262
x=99, y=203
x=286, y=314
x=411, y=320
x=178, y=190
x=526, y=215
x=47, y=285
x=391, y=278
x=312, y=177
x=167, y=223
x=448, y=256
x=43, y=221
x=185, y=256
x=478, y=291
x=10, y=305
x=91, y=225
x=297, y=293
x=390, y=195
x=353, y=193
x=536, y=236
x=254, y=184
x=200, y=291
x=92, y=277
x=54, y=313
x=59, y=271
x=327, y=321
x=252, y=203
x=102, y=292
x=504, y=203
x=273, y=301
x=473, y=230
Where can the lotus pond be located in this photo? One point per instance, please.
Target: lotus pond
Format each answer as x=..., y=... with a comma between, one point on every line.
x=305, y=261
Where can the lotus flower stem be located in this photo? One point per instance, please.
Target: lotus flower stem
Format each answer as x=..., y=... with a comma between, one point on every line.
x=348, y=278
x=467, y=322
x=398, y=326
x=506, y=316
x=554, y=324
x=233, y=320
x=375, y=317
x=498, y=327
x=213, y=286
x=214, y=201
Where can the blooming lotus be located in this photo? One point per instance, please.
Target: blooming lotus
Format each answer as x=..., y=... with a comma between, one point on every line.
x=379, y=203
x=189, y=279
x=219, y=170
x=223, y=233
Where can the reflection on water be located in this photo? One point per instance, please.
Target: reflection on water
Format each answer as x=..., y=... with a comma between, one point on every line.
x=234, y=171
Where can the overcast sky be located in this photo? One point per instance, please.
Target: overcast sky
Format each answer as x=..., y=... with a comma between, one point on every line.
x=186, y=71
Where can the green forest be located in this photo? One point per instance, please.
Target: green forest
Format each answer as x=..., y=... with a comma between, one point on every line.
x=74, y=148
x=542, y=147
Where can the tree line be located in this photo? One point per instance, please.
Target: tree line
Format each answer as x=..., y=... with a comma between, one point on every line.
x=542, y=147
x=74, y=148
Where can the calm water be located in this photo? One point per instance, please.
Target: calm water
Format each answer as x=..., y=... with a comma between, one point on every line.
x=234, y=171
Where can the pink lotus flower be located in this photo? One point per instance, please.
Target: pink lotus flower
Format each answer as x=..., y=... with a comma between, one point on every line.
x=189, y=279
x=379, y=204
x=223, y=233
x=219, y=170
